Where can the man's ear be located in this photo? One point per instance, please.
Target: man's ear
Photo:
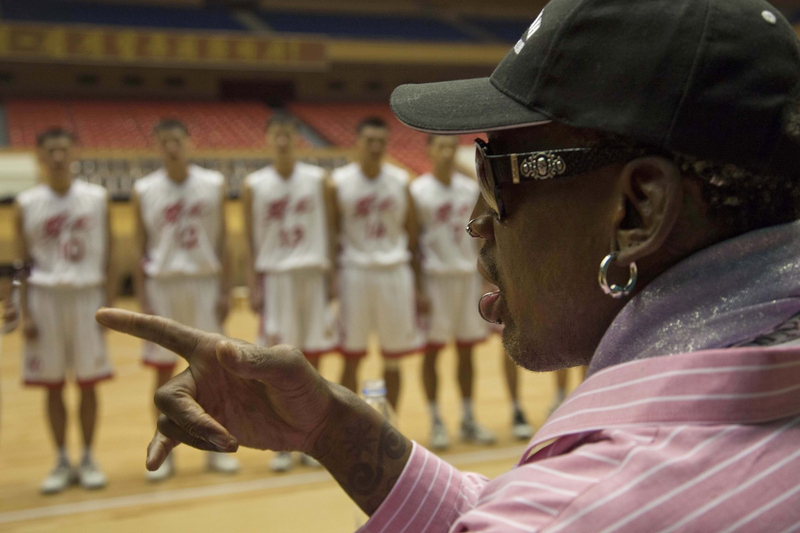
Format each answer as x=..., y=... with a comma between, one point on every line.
x=652, y=197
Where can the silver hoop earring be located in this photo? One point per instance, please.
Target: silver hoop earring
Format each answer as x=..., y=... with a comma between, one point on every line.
x=470, y=231
x=615, y=291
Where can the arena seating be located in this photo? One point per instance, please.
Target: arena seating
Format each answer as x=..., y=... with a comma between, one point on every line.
x=394, y=27
x=68, y=11
x=109, y=124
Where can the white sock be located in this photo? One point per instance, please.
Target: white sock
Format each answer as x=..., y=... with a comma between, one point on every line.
x=61, y=457
x=467, y=409
x=87, y=456
x=434, y=409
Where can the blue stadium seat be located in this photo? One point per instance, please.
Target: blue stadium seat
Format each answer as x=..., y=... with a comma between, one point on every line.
x=407, y=28
x=67, y=11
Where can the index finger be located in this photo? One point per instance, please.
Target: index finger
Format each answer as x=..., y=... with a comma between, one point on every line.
x=172, y=335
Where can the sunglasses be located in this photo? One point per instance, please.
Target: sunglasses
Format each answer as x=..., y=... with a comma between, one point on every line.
x=495, y=171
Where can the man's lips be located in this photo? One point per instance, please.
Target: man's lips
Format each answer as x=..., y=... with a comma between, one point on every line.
x=489, y=304
x=489, y=307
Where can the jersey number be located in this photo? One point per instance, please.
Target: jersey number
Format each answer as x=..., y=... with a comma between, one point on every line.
x=73, y=250
x=291, y=237
x=374, y=230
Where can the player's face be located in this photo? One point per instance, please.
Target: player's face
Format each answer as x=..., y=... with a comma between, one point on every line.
x=282, y=137
x=56, y=155
x=372, y=142
x=173, y=145
x=442, y=150
x=545, y=255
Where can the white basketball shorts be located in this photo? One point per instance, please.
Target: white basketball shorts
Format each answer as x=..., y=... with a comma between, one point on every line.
x=190, y=300
x=383, y=300
x=69, y=337
x=296, y=311
x=454, y=309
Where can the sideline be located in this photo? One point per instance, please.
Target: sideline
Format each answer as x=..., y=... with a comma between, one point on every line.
x=225, y=489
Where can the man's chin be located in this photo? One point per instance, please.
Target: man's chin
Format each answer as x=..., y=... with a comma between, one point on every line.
x=528, y=352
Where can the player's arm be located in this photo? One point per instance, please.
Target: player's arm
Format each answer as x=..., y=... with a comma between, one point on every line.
x=412, y=229
x=332, y=214
x=23, y=254
x=139, y=275
x=251, y=277
x=223, y=252
x=111, y=272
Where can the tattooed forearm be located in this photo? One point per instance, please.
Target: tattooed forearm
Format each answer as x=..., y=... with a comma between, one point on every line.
x=363, y=452
x=367, y=474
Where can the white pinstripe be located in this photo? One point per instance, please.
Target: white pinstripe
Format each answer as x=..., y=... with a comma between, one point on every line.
x=414, y=486
x=497, y=518
x=719, y=499
x=441, y=500
x=702, y=477
x=761, y=510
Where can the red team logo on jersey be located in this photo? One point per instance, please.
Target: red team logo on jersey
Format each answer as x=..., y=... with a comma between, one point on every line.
x=277, y=211
x=73, y=249
x=176, y=213
x=366, y=206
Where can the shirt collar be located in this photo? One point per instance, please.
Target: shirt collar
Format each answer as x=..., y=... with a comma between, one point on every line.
x=727, y=386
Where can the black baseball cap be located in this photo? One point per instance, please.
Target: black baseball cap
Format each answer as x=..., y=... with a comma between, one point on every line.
x=716, y=79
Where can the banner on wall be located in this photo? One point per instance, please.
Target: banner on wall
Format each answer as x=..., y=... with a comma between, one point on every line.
x=43, y=43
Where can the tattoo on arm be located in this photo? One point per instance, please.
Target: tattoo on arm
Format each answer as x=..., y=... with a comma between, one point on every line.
x=368, y=473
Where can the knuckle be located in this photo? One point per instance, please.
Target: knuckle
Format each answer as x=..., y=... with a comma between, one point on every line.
x=163, y=398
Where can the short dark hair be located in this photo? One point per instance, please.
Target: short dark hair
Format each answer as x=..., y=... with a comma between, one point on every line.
x=170, y=124
x=372, y=122
x=55, y=132
x=282, y=118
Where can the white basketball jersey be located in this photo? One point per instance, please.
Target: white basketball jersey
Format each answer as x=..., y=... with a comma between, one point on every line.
x=373, y=213
x=290, y=228
x=443, y=212
x=66, y=235
x=183, y=222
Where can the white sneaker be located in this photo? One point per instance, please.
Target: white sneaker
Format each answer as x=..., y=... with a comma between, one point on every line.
x=91, y=477
x=439, y=438
x=282, y=462
x=471, y=431
x=520, y=427
x=309, y=461
x=59, y=479
x=224, y=463
x=166, y=470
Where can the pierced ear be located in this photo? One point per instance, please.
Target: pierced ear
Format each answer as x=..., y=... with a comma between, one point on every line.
x=653, y=196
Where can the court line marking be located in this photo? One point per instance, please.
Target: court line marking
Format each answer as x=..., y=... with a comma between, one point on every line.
x=224, y=489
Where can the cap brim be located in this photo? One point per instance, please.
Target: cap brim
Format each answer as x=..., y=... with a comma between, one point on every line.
x=461, y=106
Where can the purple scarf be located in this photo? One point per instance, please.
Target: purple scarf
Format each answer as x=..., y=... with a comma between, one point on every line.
x=724, y=295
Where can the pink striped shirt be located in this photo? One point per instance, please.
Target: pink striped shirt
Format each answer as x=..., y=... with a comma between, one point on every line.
x=707, y=441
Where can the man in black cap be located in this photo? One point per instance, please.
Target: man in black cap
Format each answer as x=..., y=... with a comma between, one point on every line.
x=653, y=142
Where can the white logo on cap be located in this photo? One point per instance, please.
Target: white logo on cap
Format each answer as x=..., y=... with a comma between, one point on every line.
x=533, y=29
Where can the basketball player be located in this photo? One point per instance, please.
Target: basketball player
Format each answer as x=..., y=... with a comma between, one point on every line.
x=287, y=216
x=444, y=199
x=63, y=231
x=183, y=272
x=378, y=290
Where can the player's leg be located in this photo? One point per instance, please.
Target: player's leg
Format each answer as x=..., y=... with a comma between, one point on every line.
x=45, y=365
x=200, y=311
x=318, y=331
x=92, y=365
x=355, y=320
x=519, y=423
x=439, y=331
x=397, y=324
x=462, y=291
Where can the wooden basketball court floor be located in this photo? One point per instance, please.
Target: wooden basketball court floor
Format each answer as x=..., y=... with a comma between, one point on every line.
x=255, y=499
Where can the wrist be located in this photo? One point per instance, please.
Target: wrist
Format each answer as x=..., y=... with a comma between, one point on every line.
x=344, y=405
